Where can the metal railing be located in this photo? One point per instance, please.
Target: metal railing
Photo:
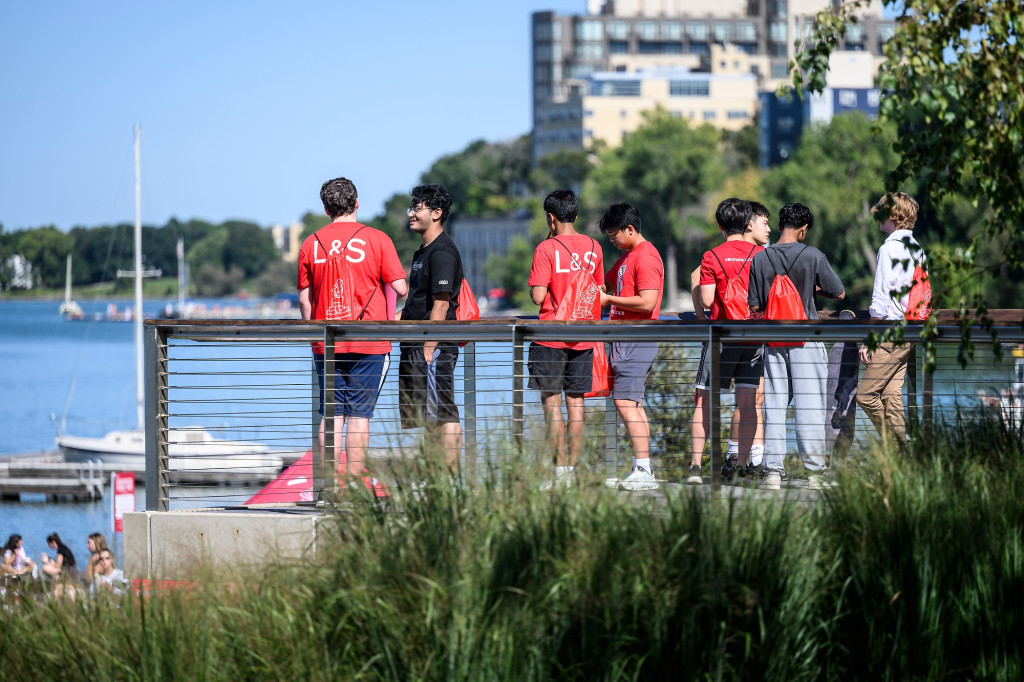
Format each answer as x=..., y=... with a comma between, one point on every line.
x=235, y=402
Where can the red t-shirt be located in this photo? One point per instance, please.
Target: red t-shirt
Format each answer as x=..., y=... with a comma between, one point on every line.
x=373, y=261
x=736, y=256
x=556, y=262
x=637, y=269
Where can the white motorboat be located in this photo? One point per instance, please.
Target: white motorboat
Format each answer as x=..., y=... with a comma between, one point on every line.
x=195, y=456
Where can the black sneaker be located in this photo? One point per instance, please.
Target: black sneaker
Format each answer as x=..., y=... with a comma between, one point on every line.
x=693, y=476
x=730, y=470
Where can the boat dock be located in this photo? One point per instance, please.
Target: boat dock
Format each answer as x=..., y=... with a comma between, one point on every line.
x=43, y=473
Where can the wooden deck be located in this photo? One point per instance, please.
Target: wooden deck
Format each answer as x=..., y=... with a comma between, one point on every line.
x=40, y=474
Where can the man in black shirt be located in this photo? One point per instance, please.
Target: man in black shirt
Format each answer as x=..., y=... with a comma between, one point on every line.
x=426, y=371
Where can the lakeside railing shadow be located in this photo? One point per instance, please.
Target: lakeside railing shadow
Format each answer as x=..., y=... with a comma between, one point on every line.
x=249, y=385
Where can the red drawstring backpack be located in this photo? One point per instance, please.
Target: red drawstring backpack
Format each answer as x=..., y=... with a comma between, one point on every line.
x=784, y=302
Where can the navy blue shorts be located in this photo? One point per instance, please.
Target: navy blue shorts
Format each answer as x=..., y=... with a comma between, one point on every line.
x=357, y=382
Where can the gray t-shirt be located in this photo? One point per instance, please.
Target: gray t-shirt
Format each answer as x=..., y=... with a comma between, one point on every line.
x=807, y=267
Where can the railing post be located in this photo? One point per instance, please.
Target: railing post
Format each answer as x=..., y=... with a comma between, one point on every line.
x=518, y=392
x=912, y=382
x=157, y=494
x=318, y=452
x=715, y=404
x=330, y=465
x=469, y=399
x=926, y=401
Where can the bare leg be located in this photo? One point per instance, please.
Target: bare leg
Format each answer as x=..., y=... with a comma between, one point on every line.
x=453, y=445
x=574, y=404
x=357, y=439
x=635, y=419
x=699, y=427
x=744, y=421
x=556, y=425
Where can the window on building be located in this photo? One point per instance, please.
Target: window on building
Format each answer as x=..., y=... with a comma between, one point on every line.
x=587, y=134
x=746, y=30
x=579, y=70
x=615, y=88
x=618, y=30
x=697, y=30
x=692, y=88
x=542, y=52
x=873, y=98
x=587, y=113
x=589, y=29
x=777, y=32
x=542, y=31
x=778, y=9
x=709, y=116
x=780, y=70
x=778, y=50
x=646, y=30
x=677, y=114
x=700, y=48
x=620, y=68
x=735, y=115
x=622, y=113
x=886, y=31
x=722, y=31
x=671, y=30
x=672, y=48
x=785, y=124
x=589, y=51
x=855, y=33
x=747, y=48
x=618, y=47
x=848, y=99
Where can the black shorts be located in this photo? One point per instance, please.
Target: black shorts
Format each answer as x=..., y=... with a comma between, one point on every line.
x=744, y=364
x=553, y=370
x=426, y=395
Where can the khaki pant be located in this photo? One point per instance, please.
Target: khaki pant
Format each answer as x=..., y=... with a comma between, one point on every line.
x=880, y=391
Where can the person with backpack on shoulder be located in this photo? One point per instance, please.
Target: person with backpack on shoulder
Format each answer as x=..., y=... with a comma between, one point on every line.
x=343, y=270
x=426, y=371
x=639, y=282
x=724, y=274
x=784, y=279
x=559, y=261
x=894, y=297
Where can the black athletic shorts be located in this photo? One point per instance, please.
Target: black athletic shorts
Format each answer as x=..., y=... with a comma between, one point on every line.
x=426, y=395
x=553, y=370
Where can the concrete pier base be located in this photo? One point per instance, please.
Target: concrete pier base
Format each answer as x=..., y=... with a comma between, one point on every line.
x=185, y=545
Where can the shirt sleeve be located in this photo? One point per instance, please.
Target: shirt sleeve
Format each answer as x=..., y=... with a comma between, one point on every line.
x=540, y=270
x=707, y=269
x=444, y=267
x=305, y=272
x=827, y=278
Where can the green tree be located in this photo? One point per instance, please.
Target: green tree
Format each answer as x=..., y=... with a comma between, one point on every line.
x=563, y=169
x=47, y=249
x=249, y=246
x=511, y=271
x=666, y=169
x=952, y=83
x=482, y=172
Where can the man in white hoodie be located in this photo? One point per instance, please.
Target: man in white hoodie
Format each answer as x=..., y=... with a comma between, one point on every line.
x=880, y=391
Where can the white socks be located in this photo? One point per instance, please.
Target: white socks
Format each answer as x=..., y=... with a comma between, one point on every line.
x=756, y=454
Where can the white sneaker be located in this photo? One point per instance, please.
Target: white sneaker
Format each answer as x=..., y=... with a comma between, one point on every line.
x=639, y=479
x=559, y=482
x=772, y=481
x=819, y=482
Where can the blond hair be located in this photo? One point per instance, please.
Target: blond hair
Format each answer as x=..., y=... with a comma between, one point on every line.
x=900, y=208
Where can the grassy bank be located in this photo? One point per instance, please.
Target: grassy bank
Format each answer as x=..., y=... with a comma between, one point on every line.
x=912, y=568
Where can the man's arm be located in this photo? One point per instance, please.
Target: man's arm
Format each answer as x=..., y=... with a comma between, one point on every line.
x=538, y=293
x=305, y=304
x=644, y=302
x=707, y=294
x=695, y=293
x=400, y=286
x=439, y=311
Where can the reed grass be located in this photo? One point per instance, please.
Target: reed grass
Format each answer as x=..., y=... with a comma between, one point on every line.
x=911, y=569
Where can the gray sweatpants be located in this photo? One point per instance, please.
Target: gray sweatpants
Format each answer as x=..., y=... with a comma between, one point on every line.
x=800, y=373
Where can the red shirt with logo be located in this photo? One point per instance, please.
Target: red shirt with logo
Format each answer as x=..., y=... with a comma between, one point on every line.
x=736, y=257
x=556, y=262
x=373, y=261
x=637, y=269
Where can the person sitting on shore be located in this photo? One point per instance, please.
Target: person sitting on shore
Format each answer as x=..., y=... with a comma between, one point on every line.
x=16, y=562
x=63, y=565
x=96, y=544
x=106, y=579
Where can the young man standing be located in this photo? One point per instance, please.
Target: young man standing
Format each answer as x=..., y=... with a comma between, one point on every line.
x=745, y=234
x=880, y=391
x=797, y=371
x=372, y=263
x=557, y=366
x=426, y=371
x=638, y=275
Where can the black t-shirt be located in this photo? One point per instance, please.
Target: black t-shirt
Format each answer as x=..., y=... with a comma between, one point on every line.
x=436, y=268
x=807, y=267
x=69, y=558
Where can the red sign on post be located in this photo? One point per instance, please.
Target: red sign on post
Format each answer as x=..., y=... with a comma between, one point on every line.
x=123, y=485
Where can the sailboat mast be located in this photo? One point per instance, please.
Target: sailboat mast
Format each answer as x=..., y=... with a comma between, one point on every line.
x=67, y=282
x=137, y=318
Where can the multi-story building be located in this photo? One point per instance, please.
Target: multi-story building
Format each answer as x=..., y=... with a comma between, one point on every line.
x=480, y=238
x=572, y=53
x=287, y=240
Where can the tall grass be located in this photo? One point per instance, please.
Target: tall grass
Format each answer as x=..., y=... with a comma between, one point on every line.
x=910, y=569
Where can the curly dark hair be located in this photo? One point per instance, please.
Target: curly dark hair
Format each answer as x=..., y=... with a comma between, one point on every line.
x=339, y=196
x=432, y=196
x=795, y=216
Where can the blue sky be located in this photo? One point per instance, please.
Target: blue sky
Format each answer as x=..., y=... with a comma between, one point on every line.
x=247, y=107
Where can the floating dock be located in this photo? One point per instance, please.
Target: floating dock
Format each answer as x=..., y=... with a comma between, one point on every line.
x=42, y=473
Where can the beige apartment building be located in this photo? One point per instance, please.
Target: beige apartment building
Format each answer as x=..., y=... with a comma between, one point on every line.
x=654, y=46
